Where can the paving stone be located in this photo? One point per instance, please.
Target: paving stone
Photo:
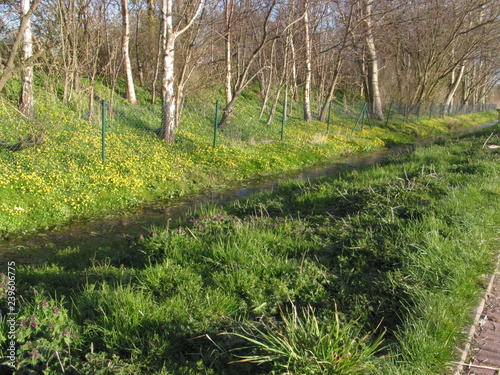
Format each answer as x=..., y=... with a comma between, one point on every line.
x=494, y=316
x=481, y=371
x=485, y=348
x=490, y=335
x=489, y=358
x=491, y=325
x=490, y=345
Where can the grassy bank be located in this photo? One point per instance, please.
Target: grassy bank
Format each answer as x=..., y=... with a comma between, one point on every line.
x=373, y=271
x=64, y=178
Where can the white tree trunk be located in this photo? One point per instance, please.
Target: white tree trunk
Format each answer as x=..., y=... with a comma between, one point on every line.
x=331, y=91
x=454, y=86
x=295, y=91
x=169, y=36
x=26, y=101
x=126, y=54
x=167, y=89
x=229, y=70
x=307, y=86
x=372, y=62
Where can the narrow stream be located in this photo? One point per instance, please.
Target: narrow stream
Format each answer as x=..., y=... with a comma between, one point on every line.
x=89, y=236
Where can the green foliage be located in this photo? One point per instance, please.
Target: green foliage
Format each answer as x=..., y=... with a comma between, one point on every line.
x=301, y=343
x=305, y=273
x=64, y=178
x=302, y=279
x=46, y=337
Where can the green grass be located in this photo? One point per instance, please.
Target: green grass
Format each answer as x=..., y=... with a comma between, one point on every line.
x=64, y=179
x=309, y=278
x=301, y=343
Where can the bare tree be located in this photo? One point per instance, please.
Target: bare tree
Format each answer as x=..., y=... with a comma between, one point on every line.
x=229, y=11
x=247, y=58
x=374, y=97
x=126, y=54
x=308, y=66
x=343, y=30
x=435, y=43
x=456, y=79
x=27, y=96
x=283, y=69
x=169, y=37
x=193, y=61
x=12, y=66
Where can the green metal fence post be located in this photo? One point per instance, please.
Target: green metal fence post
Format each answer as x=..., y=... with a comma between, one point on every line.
x=368, y=115
x=283, y=119
x=103, y=130
x=361, y=116
x=216, y=123
x=388, y=115
x=364, y=116
x=328, y=121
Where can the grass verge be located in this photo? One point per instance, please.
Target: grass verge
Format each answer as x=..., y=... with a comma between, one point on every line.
x=371, y=271
x=64, y=179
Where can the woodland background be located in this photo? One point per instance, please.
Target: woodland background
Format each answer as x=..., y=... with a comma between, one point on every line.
x=315, y=51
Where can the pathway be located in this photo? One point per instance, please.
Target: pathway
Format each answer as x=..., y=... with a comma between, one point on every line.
x=483, y=353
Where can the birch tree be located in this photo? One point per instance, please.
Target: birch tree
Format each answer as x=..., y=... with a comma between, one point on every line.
x=126, y=54
x=169, y=37
x=27, y=99
x=12, y=66
x=229, y=10
x=343, y=31
x=436, y=43
x=371, y=61
x=308, y=65
x=246, y=61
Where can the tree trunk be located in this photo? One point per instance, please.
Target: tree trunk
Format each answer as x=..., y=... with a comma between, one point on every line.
x=307, y=86
x=157, y=70
x=293, y=83
x=27, y=99
x=169, y=36
x=372, y=63
x=267, y=82
x=245, y=77
x=275, y=105
x=229, y=69
x=167, y=89
x=126, y=54
x=138, y=61
x=331, y=91
x=454, y=86
x=10, y=68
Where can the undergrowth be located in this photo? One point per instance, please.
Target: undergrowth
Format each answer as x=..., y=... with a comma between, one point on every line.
x=371, y=271
x=66, y=177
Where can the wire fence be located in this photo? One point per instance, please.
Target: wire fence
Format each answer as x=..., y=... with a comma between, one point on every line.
x=31, y=144
x=200, y=124
x=124, y=127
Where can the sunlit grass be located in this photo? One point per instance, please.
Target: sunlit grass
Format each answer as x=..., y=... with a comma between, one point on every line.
x=304, y=279
x=65, y=178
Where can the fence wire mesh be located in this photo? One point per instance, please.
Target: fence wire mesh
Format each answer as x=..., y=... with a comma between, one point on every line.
x=115, y=128
x=31, y=143
x=201, y=125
